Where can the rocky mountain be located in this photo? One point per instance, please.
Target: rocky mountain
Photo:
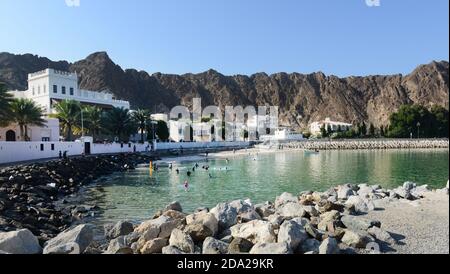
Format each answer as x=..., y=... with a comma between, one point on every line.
x=302, y=98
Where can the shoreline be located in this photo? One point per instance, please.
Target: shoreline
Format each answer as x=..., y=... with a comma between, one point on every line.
x=344, y=219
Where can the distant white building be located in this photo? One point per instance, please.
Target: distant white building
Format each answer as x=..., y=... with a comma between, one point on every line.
x=180, y=131
x=283, y=135
x=50, y=86
x=315, y=128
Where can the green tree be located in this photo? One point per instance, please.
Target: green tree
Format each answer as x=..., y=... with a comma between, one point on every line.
x=93, y=120
x=118, y=122
x=162, y=131
x=382, y=132
x=405, y=121
x=26, y=113
x=372, y=130
x=141, y=117
x=440, y=122
x=363, y=131
x=323, y=131
x=68, y=112
x=5, y=108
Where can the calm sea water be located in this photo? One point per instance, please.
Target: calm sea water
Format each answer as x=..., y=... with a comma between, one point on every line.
x=136, y=196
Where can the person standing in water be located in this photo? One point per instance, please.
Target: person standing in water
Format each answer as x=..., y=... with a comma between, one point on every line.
x=186, y=186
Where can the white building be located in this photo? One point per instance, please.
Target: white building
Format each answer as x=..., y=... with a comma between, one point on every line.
x=49, y=133
x=50, y=86
x=315, y=128
x=180, y=131
x=283, y=135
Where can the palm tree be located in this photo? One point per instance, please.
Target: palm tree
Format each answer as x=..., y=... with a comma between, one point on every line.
x=141, y=117
x=93, y=119
x=119, y=122
x=68, y=112
x=26, y=113
x=5, y=108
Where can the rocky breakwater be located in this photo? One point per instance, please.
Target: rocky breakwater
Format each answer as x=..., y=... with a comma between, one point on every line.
x=28, y=193
x=369, y=144
x=327, y=222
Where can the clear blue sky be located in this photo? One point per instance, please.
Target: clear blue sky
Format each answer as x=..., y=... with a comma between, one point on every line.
x=340, y=37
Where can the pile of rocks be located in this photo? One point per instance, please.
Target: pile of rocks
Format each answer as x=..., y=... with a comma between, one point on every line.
x=28, y=193
x=368, y=144
x=312, y=223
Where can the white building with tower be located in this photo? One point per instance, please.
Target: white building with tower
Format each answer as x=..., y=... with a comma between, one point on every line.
x=328, y=124
x=48, y=87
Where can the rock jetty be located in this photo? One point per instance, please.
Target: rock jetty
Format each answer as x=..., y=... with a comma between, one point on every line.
x=368, y=144
x=28, y=193
x=327, y=222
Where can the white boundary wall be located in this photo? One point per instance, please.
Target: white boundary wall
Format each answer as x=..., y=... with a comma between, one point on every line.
x=200, y=145
x=12, y=152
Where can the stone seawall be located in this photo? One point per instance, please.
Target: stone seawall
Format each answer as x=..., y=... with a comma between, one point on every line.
x=368, y=144
x=28, y=192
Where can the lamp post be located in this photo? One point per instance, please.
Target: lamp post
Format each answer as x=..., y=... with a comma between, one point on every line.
x=418, y=130
x=82, y=122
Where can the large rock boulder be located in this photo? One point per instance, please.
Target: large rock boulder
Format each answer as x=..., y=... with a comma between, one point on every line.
x=172, y=250
x=71, y=241
x=265, y=210
x=19, y=242
x=329, y=246
x=158, y=228
x=256, y=231
x=357, y=239
x=309, y=245
x=381, y=235
x=359, y=204
x=121, y=228
x=206, y=219
x=240, y=245
x=284, y=199
x=154, y=246
x=291, y=210
x=328, y=218
x=344, y=192
x=119, y=246
x=229, y=214
x=198, y=232
x=270, y=248
x=182, y=241
x=292, y=233
x=213, y=246
x=174, y=206
x=359, y=223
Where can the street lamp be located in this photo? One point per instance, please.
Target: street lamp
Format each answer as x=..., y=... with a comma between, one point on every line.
x=418, y=130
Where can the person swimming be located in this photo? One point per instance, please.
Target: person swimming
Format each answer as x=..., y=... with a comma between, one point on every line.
x=178, y=171
x=210, y=176
x=196, y=165
x=170, y=166
x=186, y=185
x=189, y=174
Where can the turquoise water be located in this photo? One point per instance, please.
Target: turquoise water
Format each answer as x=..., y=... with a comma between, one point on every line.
x=135, y=195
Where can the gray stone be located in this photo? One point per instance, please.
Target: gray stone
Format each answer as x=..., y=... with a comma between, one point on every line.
x=310, y=245
x=292, y=233
x=284, y=199
x=182, y=241
x=329, y=246
x=359, y=223
x=198, y=232
x=408, y=186
x=360, y=205
x=172, y=250
x=67, y=242
x=121, y=228
x=206, y=219
x=256, y=231
x=265, y=210
x=154, y=246
x=119, y=246
x=291, y=210
x=19, y=242
x=382, y=235
x=357, y=239
x=174, y=206
x=213, y=246
x=240, y=245
x=270, y=248
x=344, y=192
